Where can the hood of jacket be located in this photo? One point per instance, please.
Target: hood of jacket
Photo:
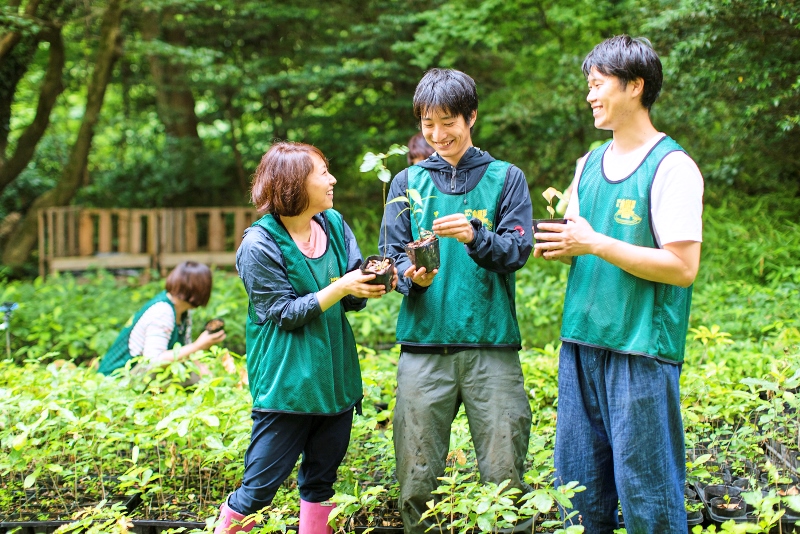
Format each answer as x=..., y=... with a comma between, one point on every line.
x=463, y=177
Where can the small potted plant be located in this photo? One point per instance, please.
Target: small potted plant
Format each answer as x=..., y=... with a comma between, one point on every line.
x=728, y=507
x=549, y=194
x=379, y=264
x=424, y=251
x=214, y=325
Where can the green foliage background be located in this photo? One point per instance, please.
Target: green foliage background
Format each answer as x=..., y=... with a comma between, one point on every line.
x=341, y=74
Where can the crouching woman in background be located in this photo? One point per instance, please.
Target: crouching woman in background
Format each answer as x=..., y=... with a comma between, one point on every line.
x=299, y=264
x=163, y=322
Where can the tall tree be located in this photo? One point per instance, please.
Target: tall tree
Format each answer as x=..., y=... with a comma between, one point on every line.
x=17, y=251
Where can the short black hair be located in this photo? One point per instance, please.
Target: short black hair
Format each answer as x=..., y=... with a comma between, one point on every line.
x=627, y=58
x=448, y=90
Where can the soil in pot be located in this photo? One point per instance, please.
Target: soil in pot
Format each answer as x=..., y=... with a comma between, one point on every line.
x=536, y=223
x=215, y=325
x=735, y=507
x=382, y=269
x=424, y=253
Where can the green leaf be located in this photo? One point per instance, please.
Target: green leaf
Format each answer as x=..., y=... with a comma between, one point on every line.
x=415, y=196
x=209, y=419
x=183, y=428
x=384, y=175
x=213, y=442
x=398, y=199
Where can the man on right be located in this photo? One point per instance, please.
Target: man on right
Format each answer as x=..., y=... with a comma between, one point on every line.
x=633, y=241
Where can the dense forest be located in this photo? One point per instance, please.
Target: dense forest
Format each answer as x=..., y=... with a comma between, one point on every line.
x=150, y=103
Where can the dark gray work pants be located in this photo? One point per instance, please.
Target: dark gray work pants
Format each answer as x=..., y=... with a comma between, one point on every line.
x=430, y=389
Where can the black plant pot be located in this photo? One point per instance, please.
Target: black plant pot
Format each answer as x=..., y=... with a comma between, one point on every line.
x=424, y=253
x=536, y=223
x=383, y=277
x=694, y=518
x=735, y=507
x=719, y=490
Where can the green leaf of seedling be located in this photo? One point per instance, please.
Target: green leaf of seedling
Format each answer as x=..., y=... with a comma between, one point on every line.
x=397, y=150
x=793, y=502
x=209, y=419
x=213, y=442
x=415, y=196
x=30, y=480
x=398, y=199
x=183, y=428
x=384, y=175
x=135, y=454
x=19, y=441
x=369, y=162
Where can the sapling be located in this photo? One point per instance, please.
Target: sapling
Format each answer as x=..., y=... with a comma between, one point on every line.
x=415, y=206
x=549, y=194
x=377, y=163
x=424, y=252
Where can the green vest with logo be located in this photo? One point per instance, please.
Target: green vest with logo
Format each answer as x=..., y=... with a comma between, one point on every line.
x=119, y=353
x=466, y=306
x=606, y=307
x=312, y=369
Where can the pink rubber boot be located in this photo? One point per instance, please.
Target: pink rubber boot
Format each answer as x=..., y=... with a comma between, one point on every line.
x=314, y=517
x=230, y=521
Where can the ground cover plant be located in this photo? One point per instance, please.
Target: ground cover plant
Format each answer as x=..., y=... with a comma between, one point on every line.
x=75, y=445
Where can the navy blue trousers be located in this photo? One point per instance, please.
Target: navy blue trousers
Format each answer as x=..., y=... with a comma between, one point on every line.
x=619, y=433
x=277, y=440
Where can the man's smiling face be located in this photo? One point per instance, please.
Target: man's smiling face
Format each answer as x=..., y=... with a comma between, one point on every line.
x=449, y=134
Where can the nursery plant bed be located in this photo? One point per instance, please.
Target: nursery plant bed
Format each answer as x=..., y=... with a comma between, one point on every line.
x=139, y=526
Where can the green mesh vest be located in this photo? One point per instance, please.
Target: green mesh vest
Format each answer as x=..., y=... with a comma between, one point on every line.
x=312, y=369
x=604, y=306
x=119, y=353
x=466, y=306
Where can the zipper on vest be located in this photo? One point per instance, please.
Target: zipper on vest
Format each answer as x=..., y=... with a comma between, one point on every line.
x=453, y=180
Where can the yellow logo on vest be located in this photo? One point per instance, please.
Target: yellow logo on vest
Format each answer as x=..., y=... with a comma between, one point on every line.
x=625, y=213
x=335, y=278
x=480, y=215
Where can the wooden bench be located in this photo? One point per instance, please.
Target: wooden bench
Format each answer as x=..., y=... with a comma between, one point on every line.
x=76, y=239
x=206, y=235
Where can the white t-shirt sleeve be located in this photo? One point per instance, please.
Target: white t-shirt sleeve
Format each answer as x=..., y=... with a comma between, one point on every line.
x=150, y=337
x=573, y=208
x=677, y=200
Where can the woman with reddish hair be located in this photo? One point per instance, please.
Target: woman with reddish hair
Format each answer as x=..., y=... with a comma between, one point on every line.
x=163, y=322
x=300, y=268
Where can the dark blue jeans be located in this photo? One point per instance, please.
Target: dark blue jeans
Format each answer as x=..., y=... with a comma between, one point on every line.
x=619, y=433
x=277, y=440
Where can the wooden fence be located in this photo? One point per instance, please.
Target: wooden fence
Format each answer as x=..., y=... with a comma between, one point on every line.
x=75, y=239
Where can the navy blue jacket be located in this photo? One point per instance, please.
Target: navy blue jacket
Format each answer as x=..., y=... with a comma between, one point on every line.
x=503, y=251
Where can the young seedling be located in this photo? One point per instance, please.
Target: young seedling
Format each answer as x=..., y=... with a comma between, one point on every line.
x=549, y=194
x=424, y=252
x=381, y=265
x=415, y=206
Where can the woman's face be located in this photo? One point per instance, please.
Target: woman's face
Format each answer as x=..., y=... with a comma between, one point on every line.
x=319, y=186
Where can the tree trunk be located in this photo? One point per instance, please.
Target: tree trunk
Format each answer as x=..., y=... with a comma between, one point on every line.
x=18, y=250
x=174, y=100
x=52, y=86
x=241, y=175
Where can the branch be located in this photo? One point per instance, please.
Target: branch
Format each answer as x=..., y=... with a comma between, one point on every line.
x=10, y=40
x=52, y=86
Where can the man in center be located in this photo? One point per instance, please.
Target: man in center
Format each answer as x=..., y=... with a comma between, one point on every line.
x=457, y=327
